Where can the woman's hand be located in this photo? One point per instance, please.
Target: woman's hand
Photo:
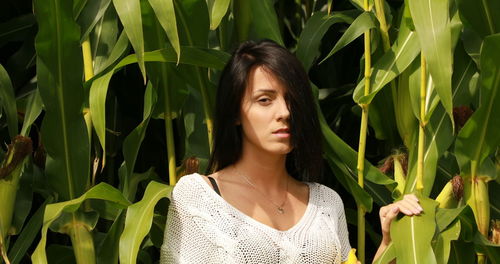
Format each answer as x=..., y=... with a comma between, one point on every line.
x=409, y=205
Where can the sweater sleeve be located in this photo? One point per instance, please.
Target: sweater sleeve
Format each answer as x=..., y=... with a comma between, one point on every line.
x=343, y=233
x=186, y=239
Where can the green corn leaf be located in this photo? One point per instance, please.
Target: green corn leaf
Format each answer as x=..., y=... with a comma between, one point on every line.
x=33, y=110
x=59, y=73
x=59, y=254
x=218, y=10
x=461, y=253
x=91, y=14
x=313, y=32
x=101, y=191
x=439, y=133
x=265, y=21
x=139, y=219
x=432, y=22
x=360, y=4
x=133, y=141
x=129, y=12
x=341, y=173
x=103, y=39
x=16, y=28
x=78, y=6
x=336, y=147
x=406, y=120
x=27, y=236
x=242, y=18
x=107, y=251
x=443, y=244
x=412, y=235
x=387, y=256
x=488, y=248
x=480, y=15
x=193, y=32
x=479, y=137
x=390, y=65
x=363, y=22
x=165, y=13
x=8, y=101
x=439, y=137
x=104, y=61
x=99, y=88
x=444, y=217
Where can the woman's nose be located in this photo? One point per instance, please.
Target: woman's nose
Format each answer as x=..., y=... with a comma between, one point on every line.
x=283, y=111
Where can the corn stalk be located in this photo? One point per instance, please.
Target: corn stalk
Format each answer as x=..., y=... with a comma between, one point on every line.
x=362, y=142
x=422, y=123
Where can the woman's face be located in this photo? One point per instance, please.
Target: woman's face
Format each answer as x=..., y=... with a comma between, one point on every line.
x=264, y=114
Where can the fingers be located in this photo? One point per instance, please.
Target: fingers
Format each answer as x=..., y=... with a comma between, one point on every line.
x=387, y=214
x=409, y=205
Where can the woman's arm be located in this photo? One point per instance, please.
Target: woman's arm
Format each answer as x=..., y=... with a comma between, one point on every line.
x=409, y=205
x=185, y=238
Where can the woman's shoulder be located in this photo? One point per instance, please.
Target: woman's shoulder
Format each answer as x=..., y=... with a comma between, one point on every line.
x=325, y=196
x=188, y=186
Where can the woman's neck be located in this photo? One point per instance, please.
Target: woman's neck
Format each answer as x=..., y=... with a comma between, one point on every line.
x=266, y=171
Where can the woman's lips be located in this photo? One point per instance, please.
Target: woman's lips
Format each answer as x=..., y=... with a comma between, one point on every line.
x=282, y=133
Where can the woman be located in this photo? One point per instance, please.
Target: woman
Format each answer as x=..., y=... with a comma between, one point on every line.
x=255, y=206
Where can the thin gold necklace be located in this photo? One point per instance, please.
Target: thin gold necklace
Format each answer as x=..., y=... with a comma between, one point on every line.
x=279, y=207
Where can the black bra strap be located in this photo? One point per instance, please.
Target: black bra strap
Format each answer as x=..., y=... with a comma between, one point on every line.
x=214, y=185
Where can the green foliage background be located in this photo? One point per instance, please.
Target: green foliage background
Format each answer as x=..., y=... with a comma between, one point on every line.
x=117, y=97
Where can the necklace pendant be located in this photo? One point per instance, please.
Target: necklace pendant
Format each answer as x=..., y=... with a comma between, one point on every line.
x=280, y=210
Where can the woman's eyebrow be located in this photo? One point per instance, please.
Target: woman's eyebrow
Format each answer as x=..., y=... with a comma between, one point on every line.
x=266, y=91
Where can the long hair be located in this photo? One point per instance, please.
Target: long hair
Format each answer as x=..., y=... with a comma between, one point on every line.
x=304, y=162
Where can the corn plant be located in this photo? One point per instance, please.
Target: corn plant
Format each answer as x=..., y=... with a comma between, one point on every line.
x=116, y=96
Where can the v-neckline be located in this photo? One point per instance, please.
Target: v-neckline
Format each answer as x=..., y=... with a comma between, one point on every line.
x=252, y=220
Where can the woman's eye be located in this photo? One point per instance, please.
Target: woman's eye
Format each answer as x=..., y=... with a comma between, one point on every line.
x=264, y=100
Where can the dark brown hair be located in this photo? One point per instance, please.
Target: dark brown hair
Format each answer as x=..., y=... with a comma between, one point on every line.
x=304, y=162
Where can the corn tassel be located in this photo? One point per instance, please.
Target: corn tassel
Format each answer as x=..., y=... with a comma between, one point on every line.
x=495, y=232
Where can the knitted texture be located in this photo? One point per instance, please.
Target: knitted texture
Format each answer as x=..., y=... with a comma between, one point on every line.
x=203, y=228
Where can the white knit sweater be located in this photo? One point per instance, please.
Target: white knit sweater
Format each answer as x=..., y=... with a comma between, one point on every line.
x=203, y=228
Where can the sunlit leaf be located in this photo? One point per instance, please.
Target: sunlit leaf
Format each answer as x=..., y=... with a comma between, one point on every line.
x=217, y=12
x=479, y=137
x=432, y=22
x=139, y=219
x=129, y=12
x=443, y=244
x=165, y=13
x=390, y=65
x=412, y=235
x=101, y=191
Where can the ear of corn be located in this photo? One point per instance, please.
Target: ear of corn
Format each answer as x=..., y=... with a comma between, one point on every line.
x=399, y=175
x=10, y=174
x=352, y=259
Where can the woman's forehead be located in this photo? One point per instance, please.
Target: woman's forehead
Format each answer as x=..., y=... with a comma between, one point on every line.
x=263, y=80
